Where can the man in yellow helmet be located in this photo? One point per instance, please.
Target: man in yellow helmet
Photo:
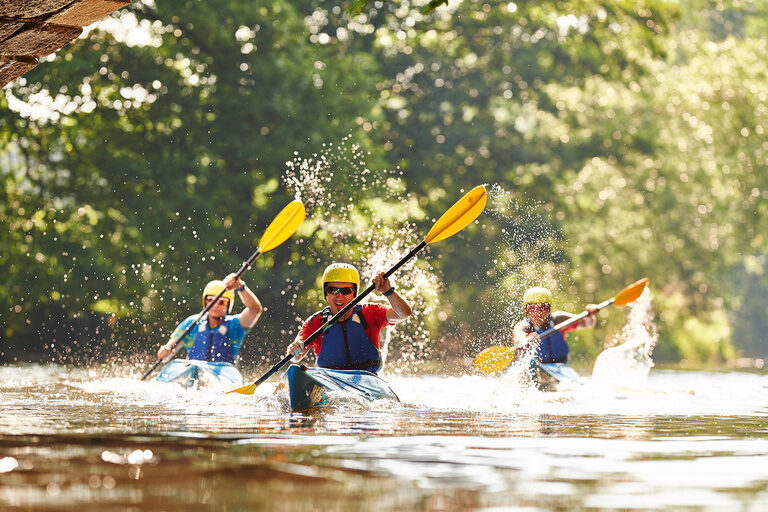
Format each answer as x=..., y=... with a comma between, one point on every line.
x=219, y=335
x=537, y=304
x=352, y=343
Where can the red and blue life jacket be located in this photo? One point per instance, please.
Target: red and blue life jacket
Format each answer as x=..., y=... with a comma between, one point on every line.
x=346, y=346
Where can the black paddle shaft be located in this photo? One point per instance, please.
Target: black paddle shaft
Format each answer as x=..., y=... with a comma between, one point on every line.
x=341, y=313
x=177, y=344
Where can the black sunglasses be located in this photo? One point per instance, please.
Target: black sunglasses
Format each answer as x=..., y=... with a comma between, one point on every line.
x=335, y=290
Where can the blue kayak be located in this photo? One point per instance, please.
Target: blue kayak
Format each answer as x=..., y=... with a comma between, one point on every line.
x=555, y=375
x=310, y=388
x=561, y=372
x=191, y=373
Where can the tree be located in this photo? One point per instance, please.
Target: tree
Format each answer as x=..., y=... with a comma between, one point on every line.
x=159, y=162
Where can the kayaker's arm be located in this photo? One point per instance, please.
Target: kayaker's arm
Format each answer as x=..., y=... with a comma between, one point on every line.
x=398, y=309
x=253, y=308
x=590, y=320
x=298, y=350
x=166, y=349
x=524, y=334
x=587, y=322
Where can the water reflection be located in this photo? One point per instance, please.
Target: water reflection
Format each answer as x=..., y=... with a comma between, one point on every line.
x=422, y=472
x=70, y=440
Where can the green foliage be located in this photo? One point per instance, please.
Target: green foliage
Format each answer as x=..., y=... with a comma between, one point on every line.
x=161, y=170
x=701, y=339
x=619, y=140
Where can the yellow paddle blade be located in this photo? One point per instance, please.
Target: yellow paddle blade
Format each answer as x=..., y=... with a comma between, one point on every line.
x=630, y=293
x=460, y=214
x=494, y=359
x=285, y=224
x=245, y=390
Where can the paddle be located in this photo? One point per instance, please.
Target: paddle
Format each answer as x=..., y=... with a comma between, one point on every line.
x=282, y=227
x=494, y=359
x=454, y=220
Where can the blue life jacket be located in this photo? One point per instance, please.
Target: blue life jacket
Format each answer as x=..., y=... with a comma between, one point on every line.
x=346, y=345
x=213, y=344
x=553, y=348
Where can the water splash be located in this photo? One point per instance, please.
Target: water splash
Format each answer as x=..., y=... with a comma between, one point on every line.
x=528, y=254
x=367, y=218
x=520, y=378
x=626, y=365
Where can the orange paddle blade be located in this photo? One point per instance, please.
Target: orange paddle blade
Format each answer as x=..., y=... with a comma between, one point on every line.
x=630, y=293
x=245, y=390
x=494, y=359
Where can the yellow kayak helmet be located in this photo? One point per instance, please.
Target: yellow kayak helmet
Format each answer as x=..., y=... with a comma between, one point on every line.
x=343, y=273
x=214, y=288
x=536, y=295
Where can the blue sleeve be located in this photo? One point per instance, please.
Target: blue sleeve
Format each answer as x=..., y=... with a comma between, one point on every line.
x=190, y=338
x=236, y=331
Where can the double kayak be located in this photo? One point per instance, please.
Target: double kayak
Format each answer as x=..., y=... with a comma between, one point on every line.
x=192, y=374
x=310, y=388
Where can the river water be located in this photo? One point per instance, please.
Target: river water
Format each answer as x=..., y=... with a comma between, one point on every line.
x=79, y=439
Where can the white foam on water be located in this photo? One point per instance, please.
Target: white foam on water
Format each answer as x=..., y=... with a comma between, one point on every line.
x=172, y=396
x=664, y=393
x=667, y=393
x=626, y=366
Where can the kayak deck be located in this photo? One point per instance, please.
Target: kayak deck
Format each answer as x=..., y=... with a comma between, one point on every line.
x=311, y=388
x=191, y=374
x=547, y=376
x=555, y=376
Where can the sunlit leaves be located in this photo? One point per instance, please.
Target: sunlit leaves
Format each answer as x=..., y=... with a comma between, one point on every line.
x=627, y=138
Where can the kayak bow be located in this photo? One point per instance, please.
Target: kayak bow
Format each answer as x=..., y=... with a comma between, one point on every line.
x=190, y=373
x=311, y=388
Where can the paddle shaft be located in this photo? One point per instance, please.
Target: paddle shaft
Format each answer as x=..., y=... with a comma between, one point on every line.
x=177, y=344
x=340, y=314
x=562, y=325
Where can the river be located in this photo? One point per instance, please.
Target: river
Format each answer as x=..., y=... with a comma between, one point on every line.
x=80, y=439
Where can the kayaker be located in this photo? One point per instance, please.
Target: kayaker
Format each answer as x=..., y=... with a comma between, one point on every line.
x=352, y=343
x=219, y=335
x=537, y=304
